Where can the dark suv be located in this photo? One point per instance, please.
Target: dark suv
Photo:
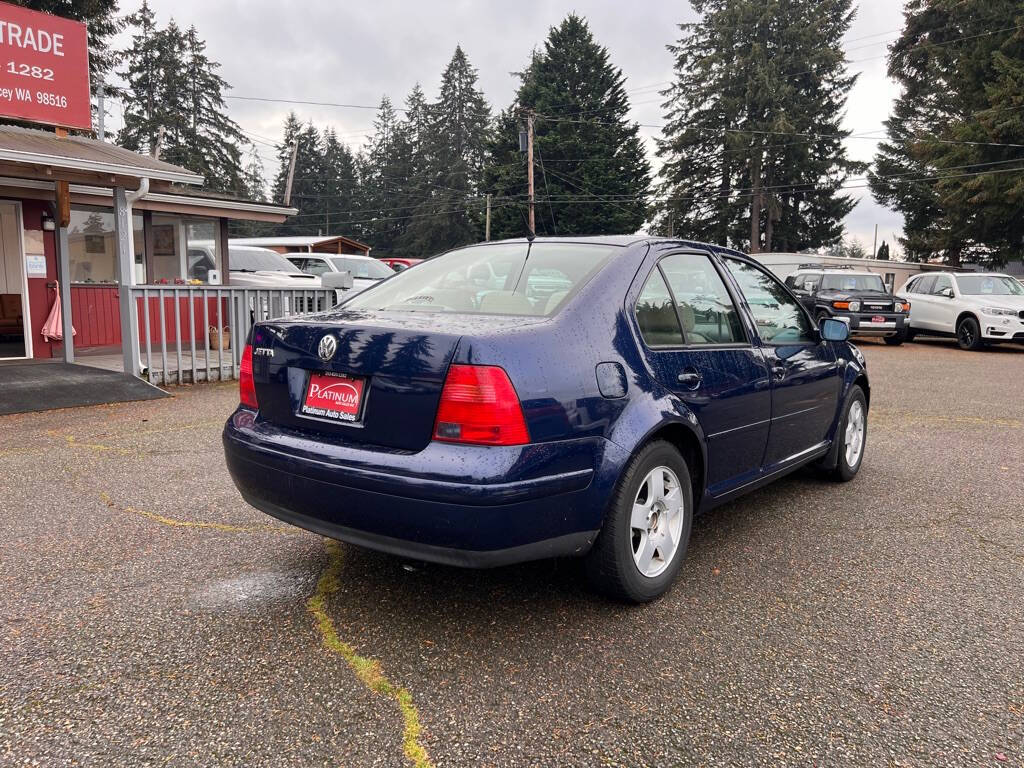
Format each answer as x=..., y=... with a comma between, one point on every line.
x=856, y=297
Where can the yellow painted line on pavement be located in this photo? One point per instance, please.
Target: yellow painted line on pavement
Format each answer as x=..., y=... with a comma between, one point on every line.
x=173, y=523
x=367, y=670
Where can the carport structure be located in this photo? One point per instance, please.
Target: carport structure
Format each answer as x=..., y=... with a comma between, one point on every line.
x=34, y=230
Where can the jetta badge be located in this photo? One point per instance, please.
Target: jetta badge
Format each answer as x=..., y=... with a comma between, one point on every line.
x=328, y=346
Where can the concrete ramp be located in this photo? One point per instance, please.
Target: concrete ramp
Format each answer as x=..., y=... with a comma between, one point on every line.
x=47, y=385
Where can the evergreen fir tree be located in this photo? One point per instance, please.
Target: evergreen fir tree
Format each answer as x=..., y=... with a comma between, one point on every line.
x=212, y=140
x=585, y=147
x=452, y=152
x=381, y=182
x=753, y=78
x=340, y=186
x=960, y=64
x=144, y=79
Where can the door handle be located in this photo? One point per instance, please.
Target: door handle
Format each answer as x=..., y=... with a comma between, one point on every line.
x=690, y=379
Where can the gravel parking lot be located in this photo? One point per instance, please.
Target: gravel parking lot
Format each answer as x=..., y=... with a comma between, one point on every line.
x=149, y=617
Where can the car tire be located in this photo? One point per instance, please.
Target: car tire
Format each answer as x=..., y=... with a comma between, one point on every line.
x=910, y=334
x=968, y=335
x=897, y=340
x=614, y=563
x=855, y=412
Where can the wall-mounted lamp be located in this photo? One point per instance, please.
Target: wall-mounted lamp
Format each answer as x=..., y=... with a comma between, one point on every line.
x=49, y=225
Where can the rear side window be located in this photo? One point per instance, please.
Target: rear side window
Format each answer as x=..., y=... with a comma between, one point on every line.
x=705, y=307
x=780, y=319
x=532, y=279
x=659, y=324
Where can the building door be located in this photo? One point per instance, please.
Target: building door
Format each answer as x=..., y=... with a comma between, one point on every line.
x=14, y=317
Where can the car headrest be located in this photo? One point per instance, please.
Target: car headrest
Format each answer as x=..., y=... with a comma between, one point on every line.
x=506, y=303
x=553, y=301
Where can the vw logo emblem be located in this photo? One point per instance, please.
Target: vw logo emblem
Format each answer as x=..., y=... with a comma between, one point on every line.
x=328, y=346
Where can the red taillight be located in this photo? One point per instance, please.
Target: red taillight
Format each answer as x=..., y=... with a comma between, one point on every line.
x=246, y=386
x=479, y=405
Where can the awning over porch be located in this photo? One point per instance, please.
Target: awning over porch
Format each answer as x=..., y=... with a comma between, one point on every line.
x=28, y=153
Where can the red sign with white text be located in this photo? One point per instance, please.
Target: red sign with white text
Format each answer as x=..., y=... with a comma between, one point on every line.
x=44, y=68
x=333, y=396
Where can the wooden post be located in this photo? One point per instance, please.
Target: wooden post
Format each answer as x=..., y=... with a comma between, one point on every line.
x=487, y=225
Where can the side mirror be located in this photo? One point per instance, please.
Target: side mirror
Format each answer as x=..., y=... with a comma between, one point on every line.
x=834, y=330
x=947, y=292
x=339, y=281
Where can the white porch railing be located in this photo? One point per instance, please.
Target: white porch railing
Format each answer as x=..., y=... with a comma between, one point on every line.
x=178, y=330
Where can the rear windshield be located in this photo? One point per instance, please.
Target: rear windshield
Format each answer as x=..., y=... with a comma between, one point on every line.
x=501, y=279
x=852, y=283
x=989, y=285
x=365, y=268
x=259, y=259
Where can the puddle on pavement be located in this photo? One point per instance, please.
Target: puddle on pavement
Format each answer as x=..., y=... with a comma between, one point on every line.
x=253, y=591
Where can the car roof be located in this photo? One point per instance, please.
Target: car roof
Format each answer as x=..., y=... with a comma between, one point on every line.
x=626, y=240
x=316, y=254
x=838, y=271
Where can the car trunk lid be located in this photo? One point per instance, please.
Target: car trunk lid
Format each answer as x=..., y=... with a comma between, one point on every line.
x=393, y=365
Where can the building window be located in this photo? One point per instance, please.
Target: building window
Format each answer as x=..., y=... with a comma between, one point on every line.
x=92, y=244
x=203, y=253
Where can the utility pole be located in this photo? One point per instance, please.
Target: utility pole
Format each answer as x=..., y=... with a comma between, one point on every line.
x=291, y=173
x=487, y=225
x=529, y=170
x=101, y=111
x=874, y=245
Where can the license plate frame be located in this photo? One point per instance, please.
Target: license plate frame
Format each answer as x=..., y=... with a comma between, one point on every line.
x=877, y=319
x=336, y=397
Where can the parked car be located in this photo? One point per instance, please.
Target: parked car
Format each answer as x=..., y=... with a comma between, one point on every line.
x=254, y=267
x=399, y=264
x=366, y=271
x=976, y=308
x=428, y=420
x=858, y=297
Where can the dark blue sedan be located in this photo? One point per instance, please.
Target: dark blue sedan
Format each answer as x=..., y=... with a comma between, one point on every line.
x=519, y=400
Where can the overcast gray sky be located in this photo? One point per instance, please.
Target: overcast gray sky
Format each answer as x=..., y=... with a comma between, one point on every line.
x=353, y=53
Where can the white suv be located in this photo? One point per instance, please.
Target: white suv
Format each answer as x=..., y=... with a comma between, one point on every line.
x=975, y=307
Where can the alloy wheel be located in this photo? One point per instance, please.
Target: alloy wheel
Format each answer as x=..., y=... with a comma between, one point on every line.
x=656, y=522
x=966, y=335
x=854, y=438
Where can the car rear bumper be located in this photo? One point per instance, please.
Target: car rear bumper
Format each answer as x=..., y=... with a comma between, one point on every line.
x=460, y=505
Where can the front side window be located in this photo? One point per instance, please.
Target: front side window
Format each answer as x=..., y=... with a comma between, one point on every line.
x=989, y=285
x=779, y=319
x=314, y=267
x=705, y=307
x=942, y=282
x=659, y=324
x=502, y=279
